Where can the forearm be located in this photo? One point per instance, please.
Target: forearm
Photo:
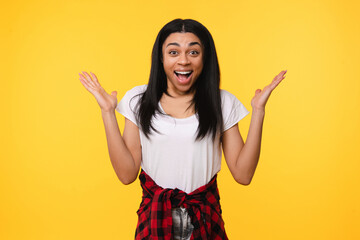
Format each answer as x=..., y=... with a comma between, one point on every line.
x=120, y=156
x=250, y=153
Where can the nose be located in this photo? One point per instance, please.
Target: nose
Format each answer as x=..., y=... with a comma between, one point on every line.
x=183, y=59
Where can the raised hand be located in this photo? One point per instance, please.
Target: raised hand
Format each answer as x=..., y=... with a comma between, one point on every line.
x=261, y=96
x=106, y=102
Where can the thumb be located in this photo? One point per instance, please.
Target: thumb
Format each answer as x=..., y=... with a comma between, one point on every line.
x=114, y=93
x=257, y=91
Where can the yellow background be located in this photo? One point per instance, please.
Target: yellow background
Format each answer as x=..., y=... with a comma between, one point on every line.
x=56, y=179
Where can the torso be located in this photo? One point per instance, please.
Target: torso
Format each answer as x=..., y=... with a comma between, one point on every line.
x=172, y=156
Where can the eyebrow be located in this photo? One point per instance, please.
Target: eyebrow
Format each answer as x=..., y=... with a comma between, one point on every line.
x=176, y=44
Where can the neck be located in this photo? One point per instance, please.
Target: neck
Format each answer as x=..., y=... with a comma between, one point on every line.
x=179, y=94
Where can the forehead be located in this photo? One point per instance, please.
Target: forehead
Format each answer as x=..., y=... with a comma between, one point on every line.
x=183, y=39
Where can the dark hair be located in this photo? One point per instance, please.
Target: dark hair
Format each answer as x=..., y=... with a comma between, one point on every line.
x=206, y=99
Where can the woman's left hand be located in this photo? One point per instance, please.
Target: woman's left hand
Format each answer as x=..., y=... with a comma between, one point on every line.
x=259, y=100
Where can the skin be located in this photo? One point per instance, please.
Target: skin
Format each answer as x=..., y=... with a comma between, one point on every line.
x=242, y=158
x=125, y=150
x=181, y=52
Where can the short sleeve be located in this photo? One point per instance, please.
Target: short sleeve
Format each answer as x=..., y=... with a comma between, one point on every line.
x=232, y=109
x=128, y=104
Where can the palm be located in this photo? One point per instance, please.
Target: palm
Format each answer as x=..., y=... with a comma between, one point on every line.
x=106, y=101
x=262, y=96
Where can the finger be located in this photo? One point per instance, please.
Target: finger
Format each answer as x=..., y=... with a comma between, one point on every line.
x=89, y=79
x=281, y=74
x=276, y=82
x=114, y=93
x=95, y=78
x=86, y=85
x=277, y=79
x=85, y=79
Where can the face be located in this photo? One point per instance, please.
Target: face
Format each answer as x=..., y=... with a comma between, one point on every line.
x=182, y=60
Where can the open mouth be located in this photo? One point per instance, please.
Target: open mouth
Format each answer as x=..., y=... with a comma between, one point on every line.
x=183, y=76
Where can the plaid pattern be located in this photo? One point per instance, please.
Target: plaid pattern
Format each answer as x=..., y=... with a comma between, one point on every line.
x=155, y=217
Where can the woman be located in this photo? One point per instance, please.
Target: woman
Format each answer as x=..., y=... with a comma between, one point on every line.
x=175, y=127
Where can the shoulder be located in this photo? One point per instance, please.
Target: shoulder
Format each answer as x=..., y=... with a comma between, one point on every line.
x=129, y=103
x=133, y=95
x=232, y=109
x=227, y=97
x=136, y=90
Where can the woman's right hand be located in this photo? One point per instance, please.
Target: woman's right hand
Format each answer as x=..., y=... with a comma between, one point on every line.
x=106, y=102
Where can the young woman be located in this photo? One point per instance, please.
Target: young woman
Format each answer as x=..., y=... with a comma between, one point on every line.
x=176, y=127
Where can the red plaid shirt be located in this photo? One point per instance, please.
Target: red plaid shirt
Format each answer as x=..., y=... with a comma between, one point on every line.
x=155, y=218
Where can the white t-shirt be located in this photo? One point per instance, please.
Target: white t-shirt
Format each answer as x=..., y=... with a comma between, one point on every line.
x=172, y=157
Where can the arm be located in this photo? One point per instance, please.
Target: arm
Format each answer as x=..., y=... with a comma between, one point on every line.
x=124, y=151
x=242, y=159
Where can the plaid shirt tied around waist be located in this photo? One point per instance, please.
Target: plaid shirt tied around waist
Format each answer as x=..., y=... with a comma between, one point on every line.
x=155, y=218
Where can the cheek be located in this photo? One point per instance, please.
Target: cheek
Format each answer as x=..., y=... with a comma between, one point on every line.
x=168, y=65
x=200, y=66
x=167, y=68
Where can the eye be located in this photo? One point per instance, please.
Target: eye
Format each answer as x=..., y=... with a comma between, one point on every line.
x=194, y=52
x=172, y=52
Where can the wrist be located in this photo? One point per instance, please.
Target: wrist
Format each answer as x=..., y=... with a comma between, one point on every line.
x=107, y=112
x=258, y=112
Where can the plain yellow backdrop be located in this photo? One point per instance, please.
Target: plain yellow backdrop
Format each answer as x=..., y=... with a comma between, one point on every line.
x=56, y=179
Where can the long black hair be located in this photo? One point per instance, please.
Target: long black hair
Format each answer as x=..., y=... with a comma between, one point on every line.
x=206, y=99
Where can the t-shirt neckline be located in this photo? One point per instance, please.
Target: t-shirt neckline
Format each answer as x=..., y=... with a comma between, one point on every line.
x=183, y=120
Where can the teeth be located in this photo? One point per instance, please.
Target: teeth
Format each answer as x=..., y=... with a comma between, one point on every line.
x=187, y=72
